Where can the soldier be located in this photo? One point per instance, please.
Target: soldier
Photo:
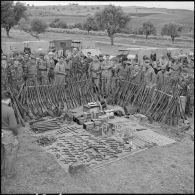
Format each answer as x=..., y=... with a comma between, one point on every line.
x=60, y=71
x=42, y=69
x=25, y=66
x=149, y=74
x=123, y=70
x=32, y=70
x=50, y=60
x=161, y=77
x=75, y=61
x=3, y=72
x=106, y=73
x=11, y=74
x=95, y=70
x=17, y=68
x=88, y=61
x=68, y=67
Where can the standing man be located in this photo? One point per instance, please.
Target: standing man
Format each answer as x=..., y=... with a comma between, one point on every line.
x=26, y=63
x=88, y=62
x=60, y=71
x=106, y=71
x=123, y=70
x=42, y=69
x=95, y=70
x=149, y=74
x=9, y=134
x=3, y=72
x=32, y=70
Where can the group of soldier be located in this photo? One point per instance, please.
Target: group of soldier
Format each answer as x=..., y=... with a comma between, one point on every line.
x=51, y=69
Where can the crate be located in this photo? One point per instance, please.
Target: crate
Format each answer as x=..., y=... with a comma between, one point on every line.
x=88, y=125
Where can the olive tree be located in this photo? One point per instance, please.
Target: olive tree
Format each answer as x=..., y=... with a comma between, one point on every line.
x=148, y=29
x=173, y=30
x=90, y=24
x=11, y=13
x=112, y=19
x=34, y=27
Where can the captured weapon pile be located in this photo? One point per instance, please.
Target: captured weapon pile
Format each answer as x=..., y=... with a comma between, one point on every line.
x=156, y=104
x=43, y=100
x=41, y=126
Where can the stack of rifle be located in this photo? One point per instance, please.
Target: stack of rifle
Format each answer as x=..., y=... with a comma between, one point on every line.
x=43, y=100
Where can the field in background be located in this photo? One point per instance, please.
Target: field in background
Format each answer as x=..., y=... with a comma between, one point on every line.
x=78, y=14
x=101, y=42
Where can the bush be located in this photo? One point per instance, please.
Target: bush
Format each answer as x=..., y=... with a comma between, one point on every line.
x=57, y=23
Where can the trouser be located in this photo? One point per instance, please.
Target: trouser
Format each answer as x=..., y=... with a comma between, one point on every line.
x=43, y=77
x=106, y=84
x=59, y=79
x=96, y=81
x=10, y=147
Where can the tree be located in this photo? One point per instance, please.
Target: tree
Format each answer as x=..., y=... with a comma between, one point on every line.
x=173, y=30
x=34, y=27
x=111, y=19
x=11, y=14
x=148, y=29
x=90, y=24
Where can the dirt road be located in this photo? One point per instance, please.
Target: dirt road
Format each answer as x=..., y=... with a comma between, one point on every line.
x=168, y=169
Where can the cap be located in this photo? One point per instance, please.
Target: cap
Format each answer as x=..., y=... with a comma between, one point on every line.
x=50, y=53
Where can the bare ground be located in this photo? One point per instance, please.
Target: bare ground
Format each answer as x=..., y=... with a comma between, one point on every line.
x=168, y=169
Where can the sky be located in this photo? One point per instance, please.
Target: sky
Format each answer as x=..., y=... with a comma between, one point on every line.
x=189, y=5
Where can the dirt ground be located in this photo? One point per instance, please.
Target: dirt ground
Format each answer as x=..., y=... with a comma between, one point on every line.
x=168, y=169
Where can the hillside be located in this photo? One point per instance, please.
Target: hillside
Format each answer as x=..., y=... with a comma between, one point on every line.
x=72, y=14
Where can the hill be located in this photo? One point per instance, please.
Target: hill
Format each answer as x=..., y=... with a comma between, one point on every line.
x=74, y=13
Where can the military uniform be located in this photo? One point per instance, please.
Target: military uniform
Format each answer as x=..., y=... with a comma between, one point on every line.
x=42, y=71
x=59, y=73
x=106, y=74
x=95, y=70
x=123, y=72
x=32, y=71
x=4, y=74
x=150, y=76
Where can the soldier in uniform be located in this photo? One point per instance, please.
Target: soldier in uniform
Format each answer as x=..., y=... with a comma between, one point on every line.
x=88, y=61
x=50, y=61
x=32, y=71
x=42, y=69
x=60, y=71
x=3, y=72
x=123, y=70
x=95, y=70
x=106, y=73
x=149, y=74
x=25, y=66
x=75, y=61
x=17, y=68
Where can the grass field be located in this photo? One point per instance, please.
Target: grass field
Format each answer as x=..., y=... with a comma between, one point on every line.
x=78, y=14
x=104, y=45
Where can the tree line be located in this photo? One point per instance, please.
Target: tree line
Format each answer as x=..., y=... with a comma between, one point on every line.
x=111, y=19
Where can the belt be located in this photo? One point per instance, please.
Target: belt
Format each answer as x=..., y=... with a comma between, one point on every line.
x=43, y=69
